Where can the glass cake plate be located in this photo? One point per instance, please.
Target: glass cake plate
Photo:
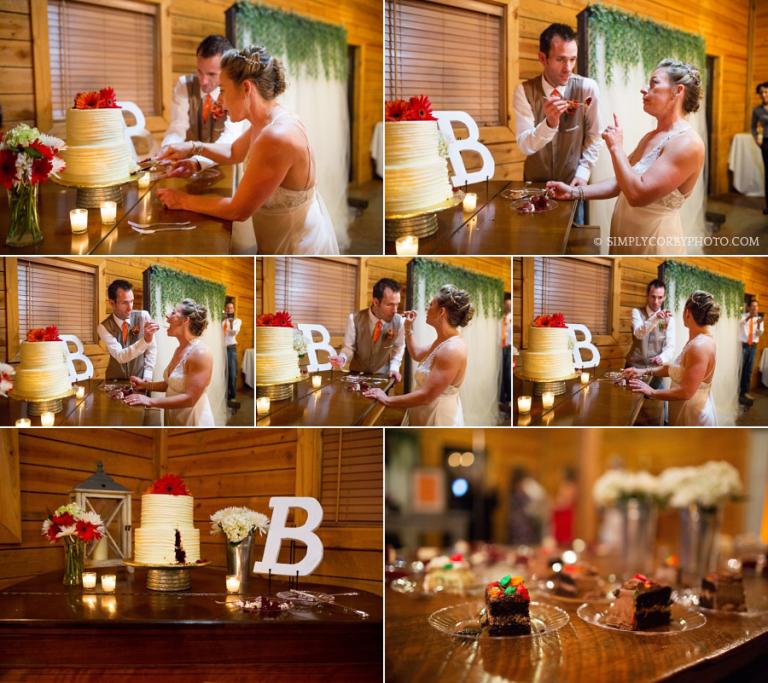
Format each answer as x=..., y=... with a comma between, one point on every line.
x=462, y=621
x=605, y=594
x=683, y=619
x=518, y=205
x=757, y=604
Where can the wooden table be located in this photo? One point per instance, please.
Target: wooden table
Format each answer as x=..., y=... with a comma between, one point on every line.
x=599, y=403
x=497, y=228
x=576, y=653
x=95, y=409
x=212, y=236
x=46, y=626
x=334, y=404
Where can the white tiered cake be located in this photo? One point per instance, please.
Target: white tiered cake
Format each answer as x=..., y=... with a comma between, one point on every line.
x=276, y=359
x=42, y=374
x=549, y=356
x=167, y=534
x=416, y=176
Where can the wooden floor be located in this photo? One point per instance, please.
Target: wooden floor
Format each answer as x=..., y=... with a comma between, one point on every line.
x=743, y=217
x=757, y=414
x=244, y=417
x=367, y=229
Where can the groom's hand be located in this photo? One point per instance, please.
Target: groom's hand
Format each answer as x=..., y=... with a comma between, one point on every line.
x=553, y=109
x=177, y=151
x=183, y=168
x=394, y=374
x=149, y=331
x=336, y=362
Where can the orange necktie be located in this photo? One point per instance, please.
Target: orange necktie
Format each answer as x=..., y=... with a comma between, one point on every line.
x=751, y=323
x=377, y=331
x=555, y=93
x=207, y=107
x=125, y=331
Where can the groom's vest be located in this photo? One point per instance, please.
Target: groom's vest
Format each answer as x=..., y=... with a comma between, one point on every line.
x=559, y=159
x=642, y=350
x=199, y=130
x=373, y=357
x=117, y=370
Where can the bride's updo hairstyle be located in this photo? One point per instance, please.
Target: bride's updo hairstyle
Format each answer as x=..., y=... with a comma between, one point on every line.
x=456, y=303
x=255, y=64
x=703, y=307
x=196, y=314
x=689, y=77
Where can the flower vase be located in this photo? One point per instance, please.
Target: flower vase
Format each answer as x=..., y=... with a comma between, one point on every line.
x=699, y=529
x=24, y=222
x=239, y=559
x=638, y=535
x=74, y=561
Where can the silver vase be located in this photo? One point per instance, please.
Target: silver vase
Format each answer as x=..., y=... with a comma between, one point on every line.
x=239, y=560
x=699, y=529
x=638, y=535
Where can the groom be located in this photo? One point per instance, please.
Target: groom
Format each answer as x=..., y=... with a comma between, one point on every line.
x=128, y=335
x=653, y=338
x=374, y=341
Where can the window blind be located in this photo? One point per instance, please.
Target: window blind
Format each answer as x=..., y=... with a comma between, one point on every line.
x=93, y=46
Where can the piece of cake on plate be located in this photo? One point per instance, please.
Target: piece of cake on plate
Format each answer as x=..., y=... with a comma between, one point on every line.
x=669, y=571
x=507, y=605
x=451, y=574
x=578, y=580
x=640, y=604
x=723, y=591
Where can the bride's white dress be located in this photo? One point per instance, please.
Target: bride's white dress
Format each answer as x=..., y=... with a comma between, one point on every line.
x=200, y=414
x=445, y=410
x=659, y=221
x=699, y=410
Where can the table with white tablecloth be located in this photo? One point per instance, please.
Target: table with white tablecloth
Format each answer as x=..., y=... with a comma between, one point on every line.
x=377, y=148
x=746, y=162
x=248, y=367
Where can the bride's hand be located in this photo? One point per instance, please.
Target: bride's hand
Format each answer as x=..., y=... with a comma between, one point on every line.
x=614, y=136
x=409, y=317
x=631, y=373
x=183, y=168
x=376, y=394
x=640, y=387
x=177, y=151
x=559, y=190
x=139, y=384
x=137, y=400
x=172, y=199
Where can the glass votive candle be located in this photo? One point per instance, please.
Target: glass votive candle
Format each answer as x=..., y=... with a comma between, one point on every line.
x=407, y=245
x=47, y=419
x=547, y=399
x=523, y=404
x=79, y=392
x=470, y=202
x=233, y=584
x=317, y=381
x=108, y=212
x=585, y=378
x=78, y=219
x=262, y=405
x=23, y=422
x=108, y=583
x=143, y=181
x=89, y=580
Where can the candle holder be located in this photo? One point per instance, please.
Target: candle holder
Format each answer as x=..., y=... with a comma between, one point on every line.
x=108, y=212
x=78, y=220
x=143, y=180
x=233, y=583
x=317, y=381
x=80, y=392
x=47, y=419
x=262, y=405
x=547, y=400
x=108, y=583
x=584, y=378
x=23, y=422
x=89, y=580
x=408, y=245
x=469, y=203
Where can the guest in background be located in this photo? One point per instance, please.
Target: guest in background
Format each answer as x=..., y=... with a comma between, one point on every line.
x=505, y=392
x=527, y=510
x=564, y=508
x=750, y=329
x=231, y=326
x=760, y=118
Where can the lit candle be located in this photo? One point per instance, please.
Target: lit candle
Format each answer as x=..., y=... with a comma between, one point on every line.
x=79, y=392
x=46, y=419
x=89, y=579
x=470, y=202
x=143, y=181
x=108, y=582
x=547, y=399
x=262, y=405
x=523, y=404
x=233, y=584
x=585, y=378
x=78, y=219
x=108, y=212
x=407, y=246
x=317, y=381
x=23, y=422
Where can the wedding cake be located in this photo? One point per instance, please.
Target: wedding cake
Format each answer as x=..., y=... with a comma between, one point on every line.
x=549, y=356
x=276, y=359
x=167, y=534
x=42, y=374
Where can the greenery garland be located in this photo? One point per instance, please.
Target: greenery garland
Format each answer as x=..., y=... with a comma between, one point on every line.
x=167, y=287
x=486, y=293
x=630, y=40
x=682, y=279
x=316, y=45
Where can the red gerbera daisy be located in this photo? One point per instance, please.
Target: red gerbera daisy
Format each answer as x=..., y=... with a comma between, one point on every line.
x=41, y=169
x=282, y=319
x=86, y=531
x=64, y=519
x=44, y=150
x=170, y=484
x=7, y=168
x=264, y=320
x=421, y=108
x=53, y=531
x=397, y=110
x=51, y=333
x=36, y=335
x=108, y=99
x=87, y=100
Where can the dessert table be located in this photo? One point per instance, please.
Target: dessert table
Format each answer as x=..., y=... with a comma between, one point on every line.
x=197, y=634
x=496, y=227
x=211, y=236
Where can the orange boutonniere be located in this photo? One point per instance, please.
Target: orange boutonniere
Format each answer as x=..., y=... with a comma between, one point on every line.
x=389, y=333
x=135, y=329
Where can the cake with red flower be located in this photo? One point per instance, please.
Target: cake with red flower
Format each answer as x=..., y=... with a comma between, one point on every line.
x=42, y=374
x=416, y=171
x=549, y=355
x=277, y=361
x=98, y=149
x=167, y=534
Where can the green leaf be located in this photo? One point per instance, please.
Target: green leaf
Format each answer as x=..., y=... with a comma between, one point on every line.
x=167, y=287
x=683, y=279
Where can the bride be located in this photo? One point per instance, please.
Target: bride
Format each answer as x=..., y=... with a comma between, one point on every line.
x=188, y=374
x=435, y=400
x=653, y=183
x=690, y=397
x=278, y=192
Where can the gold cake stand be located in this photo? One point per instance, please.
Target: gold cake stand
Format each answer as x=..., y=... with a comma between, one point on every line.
x=555, y=385
x=52, y=404
x=93, y=195
x=277, y=391
x=168, y=577
x=421, y=223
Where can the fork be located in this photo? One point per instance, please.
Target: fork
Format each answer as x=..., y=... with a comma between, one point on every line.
x=157, y=224
x=152, y=231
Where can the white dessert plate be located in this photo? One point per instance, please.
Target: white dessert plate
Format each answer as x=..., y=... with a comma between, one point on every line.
x=682, y=619
x=462, y=621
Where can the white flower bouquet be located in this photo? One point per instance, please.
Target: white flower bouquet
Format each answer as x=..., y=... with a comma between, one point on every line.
x=708, y=485
x=237, y=523
x=616, y=486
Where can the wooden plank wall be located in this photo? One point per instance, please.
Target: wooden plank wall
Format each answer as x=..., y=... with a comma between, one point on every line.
x=17, y=84
x=53, y=461
x=759, y=51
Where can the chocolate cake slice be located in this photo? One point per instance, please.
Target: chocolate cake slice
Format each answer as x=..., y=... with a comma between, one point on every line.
x=506, y=607
x=724, y=591
x=640, y=604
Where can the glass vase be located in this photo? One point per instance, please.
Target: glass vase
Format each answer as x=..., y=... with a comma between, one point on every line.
x=239, y=559
x=74, y=561
x=24, y=221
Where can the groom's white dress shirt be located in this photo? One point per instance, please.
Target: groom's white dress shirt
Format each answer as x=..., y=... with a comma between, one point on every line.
x=348, y=349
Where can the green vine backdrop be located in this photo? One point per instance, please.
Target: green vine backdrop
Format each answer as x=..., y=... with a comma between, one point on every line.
x=682, y=279
x=630, y=40
x=315, y=45
x=165, y=287
x=486, y=293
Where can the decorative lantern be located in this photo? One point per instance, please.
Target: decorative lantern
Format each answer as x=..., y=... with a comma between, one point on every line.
x=112, y=501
